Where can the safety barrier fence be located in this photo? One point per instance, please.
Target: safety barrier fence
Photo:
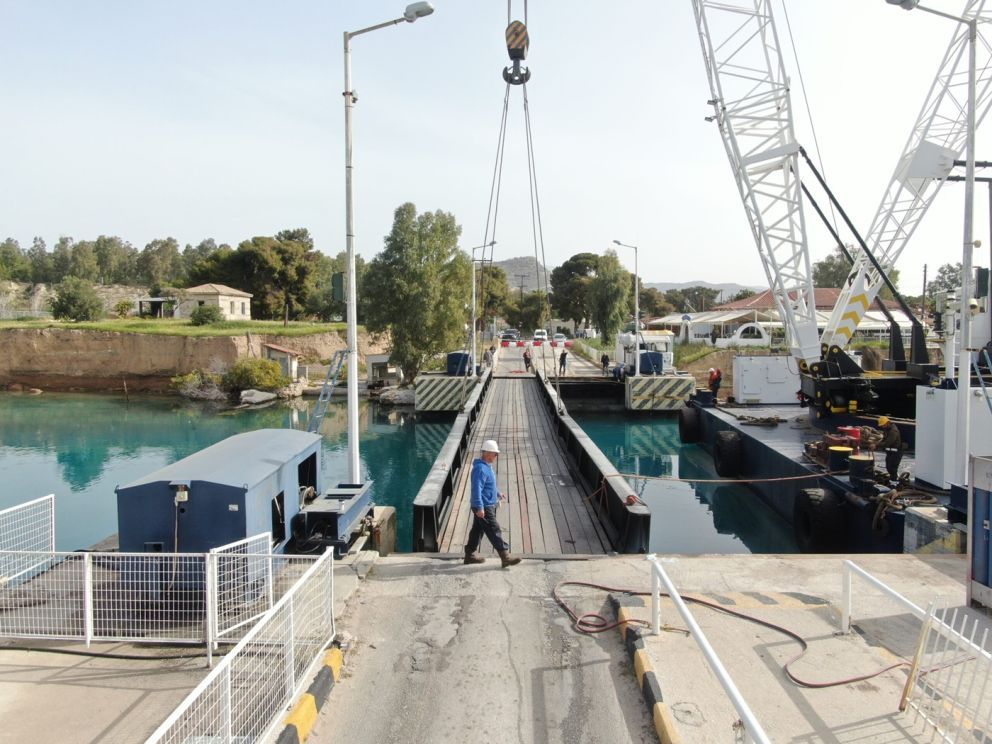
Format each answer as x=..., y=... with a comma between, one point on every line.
x=246, y=563
x=949, y=687
x=243, y=697
x=29, y=526
x=187, y=598
x=752, y=730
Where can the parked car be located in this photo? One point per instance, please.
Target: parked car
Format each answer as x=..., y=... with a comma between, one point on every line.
x=540, y=335
x=559, y=338
x=510, y=334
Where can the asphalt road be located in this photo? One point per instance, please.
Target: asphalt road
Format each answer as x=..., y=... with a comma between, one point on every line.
x=545, y=358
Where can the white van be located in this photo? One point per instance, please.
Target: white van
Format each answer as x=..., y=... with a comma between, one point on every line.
x=540, y=335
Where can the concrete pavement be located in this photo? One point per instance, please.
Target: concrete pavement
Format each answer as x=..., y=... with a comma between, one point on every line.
x=449, y=653
x=443, y=652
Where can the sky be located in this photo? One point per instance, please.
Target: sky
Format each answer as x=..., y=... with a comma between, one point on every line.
x=225, y=120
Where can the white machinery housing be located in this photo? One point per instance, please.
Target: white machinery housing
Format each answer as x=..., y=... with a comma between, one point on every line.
x=765, y=380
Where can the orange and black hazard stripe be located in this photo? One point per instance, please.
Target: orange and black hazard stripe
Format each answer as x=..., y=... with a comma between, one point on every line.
x=301, y=719
x=632, y=637
x=517, y=40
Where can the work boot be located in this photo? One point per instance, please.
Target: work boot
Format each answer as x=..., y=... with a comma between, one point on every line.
x=471, y=558
x=507, y=559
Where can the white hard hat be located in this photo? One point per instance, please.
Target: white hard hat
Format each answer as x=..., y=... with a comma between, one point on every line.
x=490, y=446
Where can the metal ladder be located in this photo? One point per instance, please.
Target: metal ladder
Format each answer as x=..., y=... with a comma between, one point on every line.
x=333, y=372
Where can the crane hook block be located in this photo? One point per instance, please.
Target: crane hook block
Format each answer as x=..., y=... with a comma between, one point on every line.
x=517, y=41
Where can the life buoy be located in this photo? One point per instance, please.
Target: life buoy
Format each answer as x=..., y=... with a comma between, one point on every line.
x=689, y=425
x=727, y=454
x=818, y=521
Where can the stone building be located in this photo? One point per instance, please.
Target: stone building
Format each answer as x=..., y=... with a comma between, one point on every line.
x=233, y=303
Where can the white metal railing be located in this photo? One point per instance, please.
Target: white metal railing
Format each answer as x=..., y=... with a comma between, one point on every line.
x=140, y=597
x=752, y=729
x=950, y=673
x=29, y=526
x=240, y=578
x=949, y=678
x=243, y=698
x=852, y=569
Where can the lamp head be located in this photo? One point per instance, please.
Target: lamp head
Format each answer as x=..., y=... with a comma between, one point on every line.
x=617, y=242
x=904, y=4
x=417, y=10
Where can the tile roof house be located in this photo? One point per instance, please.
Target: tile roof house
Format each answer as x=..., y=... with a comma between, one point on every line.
x=233, y=303
x=825, y=299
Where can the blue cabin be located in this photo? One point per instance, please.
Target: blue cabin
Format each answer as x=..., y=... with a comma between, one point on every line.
x=242, y=486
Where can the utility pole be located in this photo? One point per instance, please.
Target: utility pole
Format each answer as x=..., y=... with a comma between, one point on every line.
x=521, y=277
x=923, y=297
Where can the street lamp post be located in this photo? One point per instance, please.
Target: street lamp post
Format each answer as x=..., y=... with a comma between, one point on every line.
x=964, y=357
x=490, y=244
x=411, y=14
x=637, y=312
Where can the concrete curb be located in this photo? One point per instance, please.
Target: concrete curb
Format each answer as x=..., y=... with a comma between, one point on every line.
x=632, y=638
x=302, y=717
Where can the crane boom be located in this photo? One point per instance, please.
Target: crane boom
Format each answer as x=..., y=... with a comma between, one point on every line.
x=752, y=106
x=935, y=142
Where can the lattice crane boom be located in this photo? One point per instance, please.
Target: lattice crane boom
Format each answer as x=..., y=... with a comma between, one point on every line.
x=935, y=142
x=752, y=105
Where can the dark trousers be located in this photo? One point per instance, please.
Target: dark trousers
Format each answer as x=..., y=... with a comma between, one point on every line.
x=892, y=459
x=490, y=526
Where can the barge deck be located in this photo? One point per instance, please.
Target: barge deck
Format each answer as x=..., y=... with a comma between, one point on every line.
x=772, y=460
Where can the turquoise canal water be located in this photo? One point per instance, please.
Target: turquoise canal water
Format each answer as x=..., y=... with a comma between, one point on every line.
x=686, y=517
x=80, y=447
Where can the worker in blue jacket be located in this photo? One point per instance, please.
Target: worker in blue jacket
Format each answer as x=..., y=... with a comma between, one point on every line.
x=484, y=500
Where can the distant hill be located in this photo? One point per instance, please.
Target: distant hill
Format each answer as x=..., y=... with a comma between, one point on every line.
x=516, y=267
x=728, y=289
x=524, y=265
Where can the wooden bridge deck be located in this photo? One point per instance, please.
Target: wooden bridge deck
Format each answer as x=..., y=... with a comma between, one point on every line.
x=547, y=511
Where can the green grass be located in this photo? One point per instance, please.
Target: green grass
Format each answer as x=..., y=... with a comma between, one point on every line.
x=182, y=327
x=590, y=349
x=689, y=353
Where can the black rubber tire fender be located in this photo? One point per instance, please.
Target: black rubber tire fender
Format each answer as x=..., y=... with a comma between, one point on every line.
x=689, y=424
x=818, y=521
x=728, y=454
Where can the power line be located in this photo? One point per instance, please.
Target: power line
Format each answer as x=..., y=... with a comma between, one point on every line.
x=521, y=277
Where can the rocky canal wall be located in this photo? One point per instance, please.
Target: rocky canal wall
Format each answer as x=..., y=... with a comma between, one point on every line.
x=68, y=359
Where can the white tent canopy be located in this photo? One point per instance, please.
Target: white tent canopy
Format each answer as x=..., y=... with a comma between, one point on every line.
x=873, y=320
